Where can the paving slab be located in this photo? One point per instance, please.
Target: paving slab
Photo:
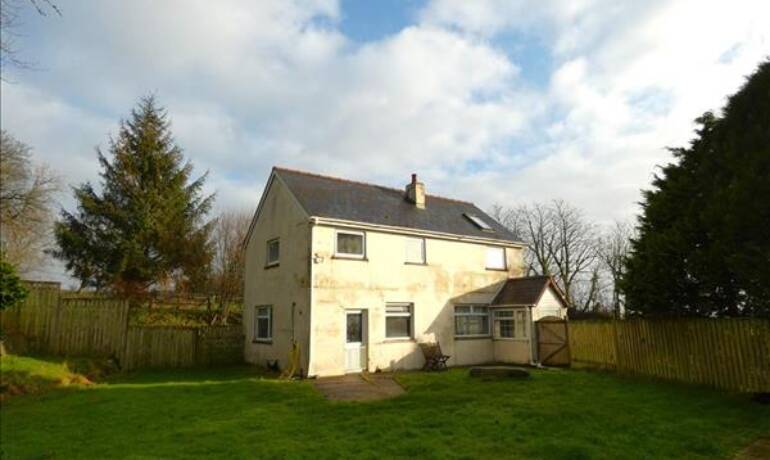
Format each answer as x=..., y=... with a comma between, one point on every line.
x=358, y=387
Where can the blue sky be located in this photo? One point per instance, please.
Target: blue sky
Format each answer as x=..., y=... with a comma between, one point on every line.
x=492, y=101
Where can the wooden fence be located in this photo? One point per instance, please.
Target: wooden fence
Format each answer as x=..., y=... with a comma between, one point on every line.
x=732, y=354
x=49, y=323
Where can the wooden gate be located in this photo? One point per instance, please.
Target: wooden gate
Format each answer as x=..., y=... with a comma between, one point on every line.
x=552, y=341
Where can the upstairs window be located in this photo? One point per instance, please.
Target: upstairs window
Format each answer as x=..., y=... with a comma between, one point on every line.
x=471, y=321
x=350, y=244
x=415, y=250
x=495, y=258
x=398, y=320
x=263, y=323
x=273, y=252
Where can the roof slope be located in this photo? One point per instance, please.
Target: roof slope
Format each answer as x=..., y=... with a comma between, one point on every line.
x=526, y=291
x=330, y=197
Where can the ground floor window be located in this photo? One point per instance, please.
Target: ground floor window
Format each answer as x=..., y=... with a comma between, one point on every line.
x=398, y=320
x=511, y=324
x=263, y=323
x=471, y=320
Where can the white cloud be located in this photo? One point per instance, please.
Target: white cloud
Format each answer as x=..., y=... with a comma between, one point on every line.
x=629, y=80
x=248, y=86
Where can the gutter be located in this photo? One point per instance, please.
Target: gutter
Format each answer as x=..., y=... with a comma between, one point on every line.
x=411, y=231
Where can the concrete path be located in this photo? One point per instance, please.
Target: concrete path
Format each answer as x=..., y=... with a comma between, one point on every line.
x=758, y=450
x=355, y=387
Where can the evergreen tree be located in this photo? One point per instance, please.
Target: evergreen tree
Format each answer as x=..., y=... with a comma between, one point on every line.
x=12, y=291
x=146, y=226
x=704, y=234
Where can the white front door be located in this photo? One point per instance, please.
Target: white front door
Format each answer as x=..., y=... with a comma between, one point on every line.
x=355, y=341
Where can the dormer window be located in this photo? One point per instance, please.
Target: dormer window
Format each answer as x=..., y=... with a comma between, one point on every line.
x=479, y=222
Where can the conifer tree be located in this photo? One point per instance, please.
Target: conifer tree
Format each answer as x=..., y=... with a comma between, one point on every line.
x=704, y=234
x=146, y=226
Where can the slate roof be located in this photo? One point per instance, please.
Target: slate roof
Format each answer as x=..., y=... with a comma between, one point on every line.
x=526, y=291
x=331, y=197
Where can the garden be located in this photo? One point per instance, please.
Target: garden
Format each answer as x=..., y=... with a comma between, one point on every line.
x=73, y=410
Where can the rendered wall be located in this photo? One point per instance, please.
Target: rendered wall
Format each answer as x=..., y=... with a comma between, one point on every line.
x=549, y=305
x=285, y=287
x=454, y=274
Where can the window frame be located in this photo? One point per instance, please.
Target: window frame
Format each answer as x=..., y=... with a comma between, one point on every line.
x=519, y=318
x=255, y=324
x=272, y=263
x=472, y=313
x=505, y=258
x=410, y=315
x=345, y=255
x=424, y=260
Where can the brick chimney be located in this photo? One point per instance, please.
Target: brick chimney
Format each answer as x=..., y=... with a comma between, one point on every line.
x=415, y=192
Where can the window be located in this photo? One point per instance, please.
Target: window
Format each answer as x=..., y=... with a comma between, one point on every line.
x=398, y=320
x=471, y=321
x=263, y=323
x=350, y=244
x=511, y=324
x=495, y=258
x=504, y=324
x=479, y=222
x=521, y=324
x=273, y=252
x=415, y=250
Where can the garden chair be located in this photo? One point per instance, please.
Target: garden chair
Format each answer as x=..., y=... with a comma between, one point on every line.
x=435, y=359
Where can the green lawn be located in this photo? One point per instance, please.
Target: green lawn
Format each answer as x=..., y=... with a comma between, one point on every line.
x=235, y=413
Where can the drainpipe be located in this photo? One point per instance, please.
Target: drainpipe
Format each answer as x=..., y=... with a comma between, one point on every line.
x=311, y=261
x=534, y=359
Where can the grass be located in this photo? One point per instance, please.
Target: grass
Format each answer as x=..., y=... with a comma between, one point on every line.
x=238, y=413
x=26, y=375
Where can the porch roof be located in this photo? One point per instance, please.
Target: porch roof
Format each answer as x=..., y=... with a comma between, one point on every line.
x=526, y=292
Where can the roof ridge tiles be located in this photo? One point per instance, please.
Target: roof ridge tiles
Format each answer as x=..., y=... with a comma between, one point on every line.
x=368, y=184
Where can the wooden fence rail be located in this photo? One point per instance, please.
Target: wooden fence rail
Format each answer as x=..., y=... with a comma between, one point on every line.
x=48, y=323
x=732, y=354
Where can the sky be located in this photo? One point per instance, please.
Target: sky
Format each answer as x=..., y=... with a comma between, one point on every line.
x=491, y=101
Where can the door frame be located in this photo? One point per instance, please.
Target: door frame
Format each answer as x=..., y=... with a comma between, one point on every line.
x=364, y=344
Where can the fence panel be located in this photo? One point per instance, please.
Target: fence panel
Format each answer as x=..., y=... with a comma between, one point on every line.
x=219, y=345
x=90, y=326
x=732, y=354
x=29, y=325
x=46, y=322
x=592, y=343
x=155, y=347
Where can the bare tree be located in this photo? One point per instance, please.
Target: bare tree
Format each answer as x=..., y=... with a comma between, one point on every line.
x=573, y=247
x=228, y=265
x=26, y=198
x=9, y=22
x=533, y=225
x=613, y=248
x=561, y=243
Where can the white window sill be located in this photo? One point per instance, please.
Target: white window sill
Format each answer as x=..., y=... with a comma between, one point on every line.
x=472, y=337
x=349, y=257
x=398, y=340
x=512, y=339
